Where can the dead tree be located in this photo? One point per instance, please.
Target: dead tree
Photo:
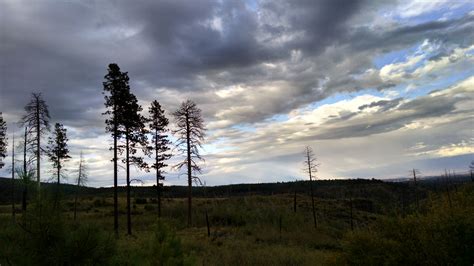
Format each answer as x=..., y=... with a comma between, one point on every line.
x=13, y=176
x=190, y=135
x=447, y=188
x=416, y=171
x=26, y=174
x=37, y=120
x=80, y=181
x=311, y=168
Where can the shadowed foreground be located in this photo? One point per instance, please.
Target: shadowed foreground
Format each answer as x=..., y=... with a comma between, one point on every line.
x=386, y=228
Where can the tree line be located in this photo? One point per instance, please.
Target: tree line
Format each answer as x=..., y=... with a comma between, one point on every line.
x=134, y=135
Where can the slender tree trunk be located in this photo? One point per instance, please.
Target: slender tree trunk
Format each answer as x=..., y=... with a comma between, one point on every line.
x=38, y=148
x=58, y=176
x=115, y=174
x=24, y=150
x=447, y=188
x=312, y=195
x=188, y=142
x=58, y=171
x=129, y=217
x=472, y=176
x=24, y=194
x=158, y=174
x=77, y=188
x=416, y=191
x=13, y=178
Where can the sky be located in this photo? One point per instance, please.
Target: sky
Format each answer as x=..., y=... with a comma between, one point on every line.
x=376, y=88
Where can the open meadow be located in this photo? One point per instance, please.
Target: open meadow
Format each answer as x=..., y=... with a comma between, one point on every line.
x=358, y=223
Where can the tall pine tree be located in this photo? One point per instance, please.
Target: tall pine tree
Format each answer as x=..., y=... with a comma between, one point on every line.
x=58, y=151
x=158, y=126
x=134, y=133
x=116, y=87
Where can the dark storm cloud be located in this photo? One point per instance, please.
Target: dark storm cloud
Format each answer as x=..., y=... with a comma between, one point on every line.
x=383, y=105
x=320, y=23
x=62, y=49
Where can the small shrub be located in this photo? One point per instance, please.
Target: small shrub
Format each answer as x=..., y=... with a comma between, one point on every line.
x=165, y=247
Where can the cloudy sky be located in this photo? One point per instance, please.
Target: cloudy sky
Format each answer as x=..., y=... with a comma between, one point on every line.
x=375, y=87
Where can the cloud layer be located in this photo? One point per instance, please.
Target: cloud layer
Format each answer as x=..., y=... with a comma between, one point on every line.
x=371, y=85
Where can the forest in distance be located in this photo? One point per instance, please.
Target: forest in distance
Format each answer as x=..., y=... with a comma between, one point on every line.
x=313, y=222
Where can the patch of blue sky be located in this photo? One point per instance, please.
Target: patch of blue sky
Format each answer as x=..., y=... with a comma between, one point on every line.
x=244, y=127
x=437, y=84
x=252, y=4
x=278, y=118
x=216, y=147
x=445, y=12
x=395, y=56
x=342, y=97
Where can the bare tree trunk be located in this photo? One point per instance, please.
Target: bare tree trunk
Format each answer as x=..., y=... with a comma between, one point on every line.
x=312, y=201
x=58, y=170
x=77, y=188
x=24, y=194
x=56, y=200
x=188, y=142
x=129, y=217
x=158, y=187
x=38, y=147
x=13, y=178
x=158, y=174
x=447, y=188
x=416, y=191
x=115, y=174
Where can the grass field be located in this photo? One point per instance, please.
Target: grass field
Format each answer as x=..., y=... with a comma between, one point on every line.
x=252, y=229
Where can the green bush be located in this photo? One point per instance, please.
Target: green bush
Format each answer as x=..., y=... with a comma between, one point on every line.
x=42, y=237
x=165, y=247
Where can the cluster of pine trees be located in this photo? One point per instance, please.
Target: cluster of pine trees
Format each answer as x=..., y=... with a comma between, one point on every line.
x=134, y=135
x=128, y=128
